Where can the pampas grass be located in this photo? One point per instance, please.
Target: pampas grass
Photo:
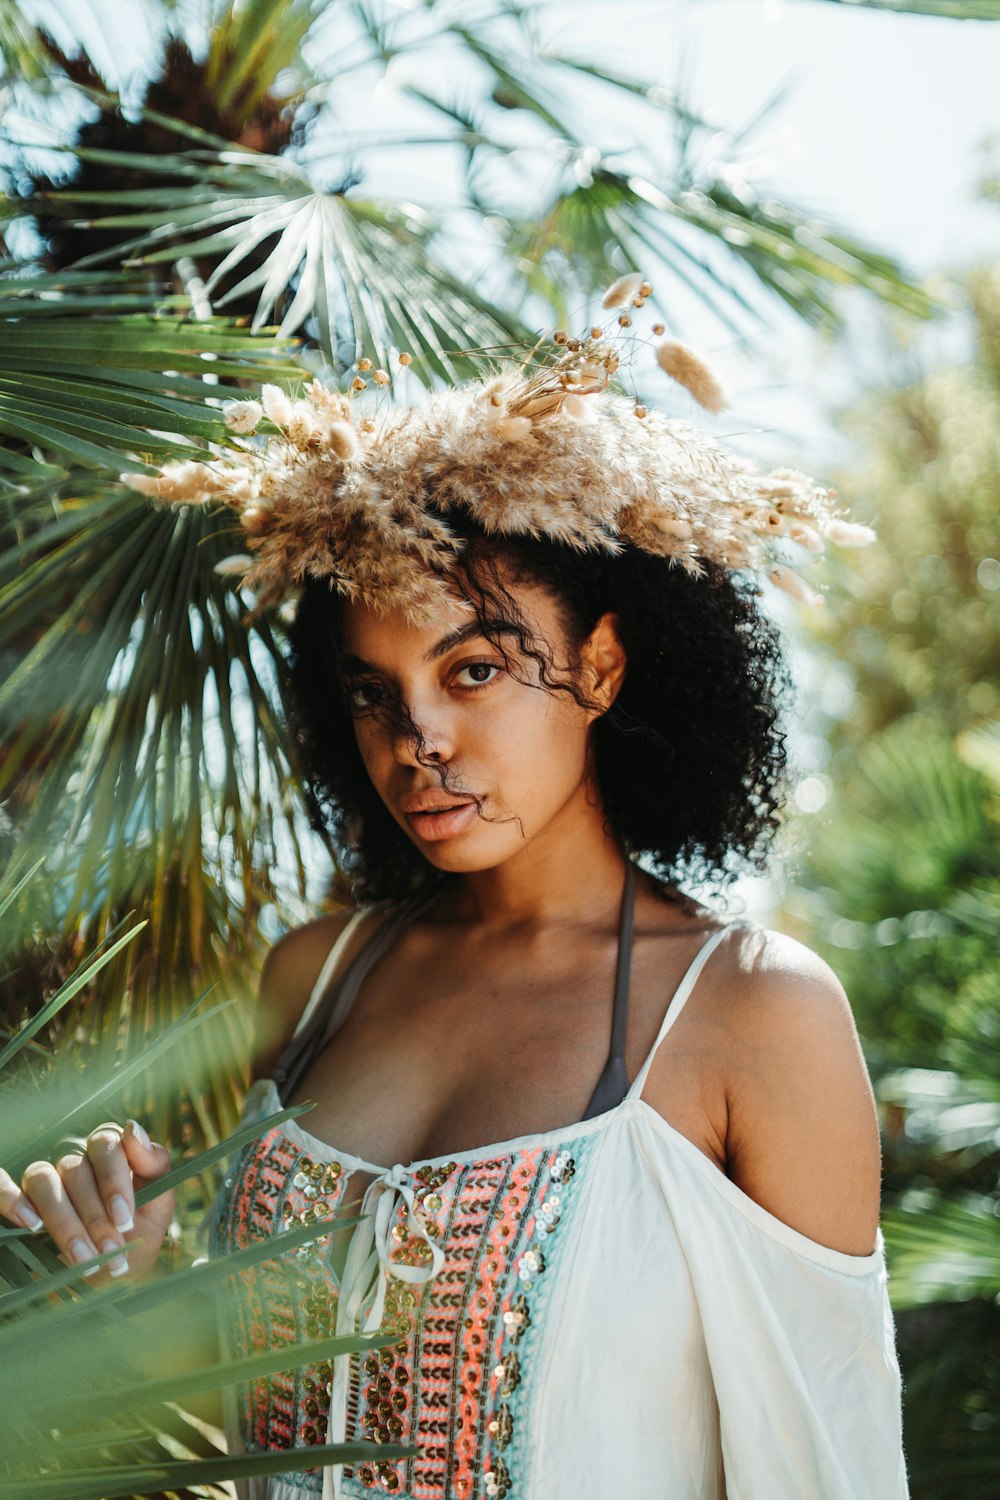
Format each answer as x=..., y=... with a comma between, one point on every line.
x=243, y=417
x=621, y=292
x=545, y=450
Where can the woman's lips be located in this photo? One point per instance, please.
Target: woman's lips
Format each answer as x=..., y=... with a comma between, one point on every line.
x=432, y=826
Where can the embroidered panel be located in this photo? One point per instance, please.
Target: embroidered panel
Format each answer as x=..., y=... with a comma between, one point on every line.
x=457, y=1384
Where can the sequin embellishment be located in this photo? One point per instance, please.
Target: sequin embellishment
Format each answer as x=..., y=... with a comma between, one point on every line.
x=456, y=1385
x=498, y=1476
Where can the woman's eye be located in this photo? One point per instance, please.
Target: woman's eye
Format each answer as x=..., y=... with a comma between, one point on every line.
x=363, y=695
x=476, y=667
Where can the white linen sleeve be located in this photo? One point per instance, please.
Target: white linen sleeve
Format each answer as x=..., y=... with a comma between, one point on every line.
x=801, y=1343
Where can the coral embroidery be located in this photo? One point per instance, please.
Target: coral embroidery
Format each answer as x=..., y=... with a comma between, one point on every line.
x=456, y=1383
x=275, y=1187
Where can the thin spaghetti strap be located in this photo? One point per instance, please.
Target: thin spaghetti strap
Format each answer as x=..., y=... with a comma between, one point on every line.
x=680, y=998
x=623, y=968
x=329, y=968
x=612, y=1086
x=331, y=1008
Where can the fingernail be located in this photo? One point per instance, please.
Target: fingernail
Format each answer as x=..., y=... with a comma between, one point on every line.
x=80, y=1252
x=139, y=1133
x=29, y=1218
x=119, y=1265
x=120, y=1216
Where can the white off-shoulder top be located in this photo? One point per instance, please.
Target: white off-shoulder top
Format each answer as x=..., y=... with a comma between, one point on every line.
x=591, y=1313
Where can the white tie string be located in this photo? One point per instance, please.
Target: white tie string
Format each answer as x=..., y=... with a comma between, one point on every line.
x=366, y=1272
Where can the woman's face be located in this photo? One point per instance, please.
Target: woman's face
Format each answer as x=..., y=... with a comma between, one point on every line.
x=489, y=731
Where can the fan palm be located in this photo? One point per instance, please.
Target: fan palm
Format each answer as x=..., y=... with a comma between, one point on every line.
x=182, y=248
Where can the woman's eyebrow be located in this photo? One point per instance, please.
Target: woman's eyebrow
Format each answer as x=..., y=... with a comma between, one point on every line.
x=470, y=631
x=354, y=666
x=473, y=630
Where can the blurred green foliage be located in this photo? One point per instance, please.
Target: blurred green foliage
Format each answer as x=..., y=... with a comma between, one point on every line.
x=145, y=752
x=900, y=881
x=111, y=1390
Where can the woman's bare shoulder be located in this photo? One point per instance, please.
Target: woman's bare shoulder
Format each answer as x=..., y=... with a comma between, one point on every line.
x=802, y=1134
x=780, y=1002
x=294, y=961
x=288, y=975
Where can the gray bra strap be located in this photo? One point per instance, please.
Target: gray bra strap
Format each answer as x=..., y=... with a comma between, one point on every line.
x=612, y=1086
x=332, y=1012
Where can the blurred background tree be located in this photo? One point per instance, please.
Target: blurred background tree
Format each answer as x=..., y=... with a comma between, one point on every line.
x=900, y=874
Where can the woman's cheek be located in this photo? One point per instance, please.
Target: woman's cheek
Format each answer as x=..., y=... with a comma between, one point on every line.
x=376, y=753
x=542, y=757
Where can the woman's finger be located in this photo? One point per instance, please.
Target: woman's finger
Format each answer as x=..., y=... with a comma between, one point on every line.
x=16, y=1206
x=113, y=1175
x=149, y=1161
x=86, y=1200
x=83, y=1191
x=44, y=1186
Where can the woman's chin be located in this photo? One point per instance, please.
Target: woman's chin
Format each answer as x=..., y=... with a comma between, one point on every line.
x=454, y=859
x=466, y=854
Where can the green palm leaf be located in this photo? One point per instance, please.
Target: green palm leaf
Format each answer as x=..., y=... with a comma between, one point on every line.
x=21, y=51
x=953, y=10
x=918, y=819
x=363, y=272
x=159, y=815
x=93, y=383
x=252, y=45
x=783, y=249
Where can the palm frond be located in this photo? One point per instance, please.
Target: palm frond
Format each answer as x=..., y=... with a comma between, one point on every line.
x=361, y=274
x=952, y=10
x=649, y=225
x=22, y=53
x=943, y=1252
x=979, y=747
x=918, y=818
x=155, y=812
x=90, y=379
x=252, y=46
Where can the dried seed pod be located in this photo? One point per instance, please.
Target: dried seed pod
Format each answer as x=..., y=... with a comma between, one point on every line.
x=621, y=292
x=690, y=370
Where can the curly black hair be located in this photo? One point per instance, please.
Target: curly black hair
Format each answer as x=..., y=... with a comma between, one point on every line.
x=690, y=759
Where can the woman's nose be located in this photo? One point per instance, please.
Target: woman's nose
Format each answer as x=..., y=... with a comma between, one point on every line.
x=423, y=736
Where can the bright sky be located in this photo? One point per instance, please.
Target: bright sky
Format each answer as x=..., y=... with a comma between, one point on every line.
x=882, y=132
x=884, y=119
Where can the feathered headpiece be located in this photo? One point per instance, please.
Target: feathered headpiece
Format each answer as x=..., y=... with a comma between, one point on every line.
x=361, y=497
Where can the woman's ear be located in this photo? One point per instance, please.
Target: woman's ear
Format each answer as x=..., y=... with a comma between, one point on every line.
x=603, y=660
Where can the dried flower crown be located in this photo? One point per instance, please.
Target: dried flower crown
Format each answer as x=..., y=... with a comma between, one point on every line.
x=543, y=447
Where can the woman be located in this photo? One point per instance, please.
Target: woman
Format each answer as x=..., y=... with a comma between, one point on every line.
x=662, y=1272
